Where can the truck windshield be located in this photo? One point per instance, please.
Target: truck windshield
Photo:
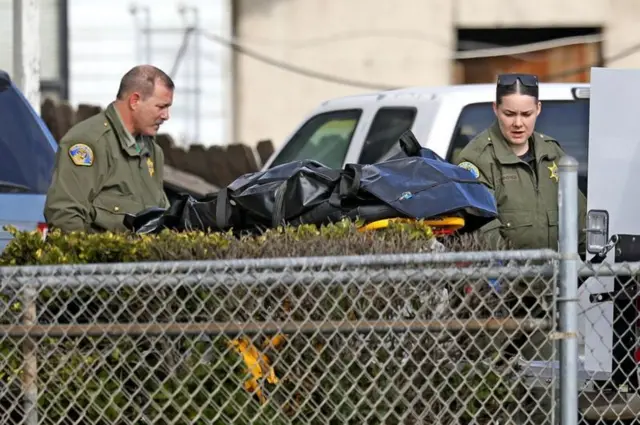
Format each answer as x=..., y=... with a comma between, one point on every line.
x=325, y=138
x=566, y=121
x=26, y=154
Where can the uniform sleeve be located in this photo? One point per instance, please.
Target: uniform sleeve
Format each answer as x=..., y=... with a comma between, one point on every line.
x=491, y=231
x=78, y=166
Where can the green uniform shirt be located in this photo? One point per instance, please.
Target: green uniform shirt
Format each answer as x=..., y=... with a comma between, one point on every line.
x=526, y=193
x=101, y=173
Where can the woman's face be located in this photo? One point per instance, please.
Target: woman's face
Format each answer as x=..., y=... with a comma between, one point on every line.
x=517, y=114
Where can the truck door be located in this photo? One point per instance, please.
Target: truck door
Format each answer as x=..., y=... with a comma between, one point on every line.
x=609, y=316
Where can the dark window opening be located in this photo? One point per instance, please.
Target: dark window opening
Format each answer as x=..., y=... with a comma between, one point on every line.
x=386, y=128
x=553, y=63
x=482, y=38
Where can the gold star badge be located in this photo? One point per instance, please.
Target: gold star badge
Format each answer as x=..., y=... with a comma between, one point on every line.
x=150, y=166
x=553, y=170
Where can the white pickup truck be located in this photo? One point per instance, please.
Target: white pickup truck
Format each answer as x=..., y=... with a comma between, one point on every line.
x=364, y=128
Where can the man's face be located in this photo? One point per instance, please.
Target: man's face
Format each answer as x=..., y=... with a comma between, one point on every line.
x=149, y=114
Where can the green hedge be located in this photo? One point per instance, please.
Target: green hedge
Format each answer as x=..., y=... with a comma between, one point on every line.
x=342, y=238
x=180, y=378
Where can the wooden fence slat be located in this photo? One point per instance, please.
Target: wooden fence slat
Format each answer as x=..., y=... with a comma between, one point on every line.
x=265, y=150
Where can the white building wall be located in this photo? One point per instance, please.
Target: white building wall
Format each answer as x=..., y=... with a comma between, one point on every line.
x=104, y=45
x=395, y=43
x=376, y=41
x=49, y=65
x=525, y=13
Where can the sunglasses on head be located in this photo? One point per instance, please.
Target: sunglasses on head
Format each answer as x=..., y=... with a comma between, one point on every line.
x=510, y=79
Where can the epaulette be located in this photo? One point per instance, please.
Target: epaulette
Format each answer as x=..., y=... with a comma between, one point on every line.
x=480, y=142
x=546, y=137
x=91, y=129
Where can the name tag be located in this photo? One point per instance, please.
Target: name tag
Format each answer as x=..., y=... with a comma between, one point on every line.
x=508, y=177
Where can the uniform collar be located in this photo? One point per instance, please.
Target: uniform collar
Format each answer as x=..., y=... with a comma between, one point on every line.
x=505, y=155
x=129, y=143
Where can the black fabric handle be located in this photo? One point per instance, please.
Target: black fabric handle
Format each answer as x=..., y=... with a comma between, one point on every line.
x=279, y=205
x=351, y=189
x=409, y=143
x=222, y=203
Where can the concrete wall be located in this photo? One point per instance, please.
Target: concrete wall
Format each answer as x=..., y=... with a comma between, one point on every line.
x=378, y=41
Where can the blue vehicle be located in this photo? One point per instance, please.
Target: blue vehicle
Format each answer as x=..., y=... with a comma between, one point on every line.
x=27, y=156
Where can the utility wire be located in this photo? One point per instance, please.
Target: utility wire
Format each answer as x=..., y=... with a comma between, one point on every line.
x=522, y=49
x=181, y=52
x=487, y=50
x=234, y=45
x=342, y=36
x=293, y=68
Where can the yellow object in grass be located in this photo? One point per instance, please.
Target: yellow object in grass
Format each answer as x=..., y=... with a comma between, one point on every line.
x=257, y=363
x=439, y=225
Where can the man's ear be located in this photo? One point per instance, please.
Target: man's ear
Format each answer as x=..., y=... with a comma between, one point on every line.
x=134, y=100
x=495, y=108
x=539, y=108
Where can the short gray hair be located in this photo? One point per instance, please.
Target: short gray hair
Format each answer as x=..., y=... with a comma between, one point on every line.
x=143, y=78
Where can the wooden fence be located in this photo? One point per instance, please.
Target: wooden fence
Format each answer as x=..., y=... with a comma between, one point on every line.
x=215, y=164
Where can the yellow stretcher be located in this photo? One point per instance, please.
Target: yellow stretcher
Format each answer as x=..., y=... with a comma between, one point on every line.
x=440, y=226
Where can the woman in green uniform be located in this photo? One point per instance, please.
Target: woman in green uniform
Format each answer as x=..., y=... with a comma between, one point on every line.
x=520, y=166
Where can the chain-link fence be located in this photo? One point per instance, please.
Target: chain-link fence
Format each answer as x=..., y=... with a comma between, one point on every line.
x=609, y=331
x=510, y=337
x=409, y=339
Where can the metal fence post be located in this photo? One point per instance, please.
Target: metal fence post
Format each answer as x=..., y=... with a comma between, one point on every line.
x=568, y=297
x=30, y=365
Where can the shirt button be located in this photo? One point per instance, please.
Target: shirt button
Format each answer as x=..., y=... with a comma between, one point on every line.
x=508, y=224
x=116, y=209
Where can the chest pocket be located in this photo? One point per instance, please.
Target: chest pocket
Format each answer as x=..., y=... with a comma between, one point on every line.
x=110, y=208
x=506, y=182
x=518, y=228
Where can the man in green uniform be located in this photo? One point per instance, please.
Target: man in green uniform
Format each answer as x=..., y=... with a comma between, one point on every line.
x=110, y=165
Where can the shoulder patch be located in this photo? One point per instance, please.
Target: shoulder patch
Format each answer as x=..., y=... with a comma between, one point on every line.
x=470, y=167
x=81, y=154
